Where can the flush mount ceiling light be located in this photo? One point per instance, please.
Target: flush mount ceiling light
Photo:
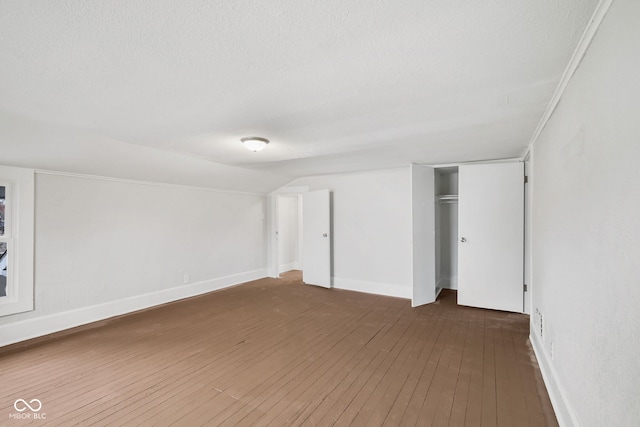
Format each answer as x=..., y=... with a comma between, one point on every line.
x=254, y=143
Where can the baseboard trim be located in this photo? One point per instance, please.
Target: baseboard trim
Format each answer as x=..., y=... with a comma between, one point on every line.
x=12, y=333
x=564, y=413
x=385, y=289
x=288, y=267
x=448, y=283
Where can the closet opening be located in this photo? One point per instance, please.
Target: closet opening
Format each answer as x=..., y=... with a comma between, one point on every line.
x=446, y=228
x=289, y=233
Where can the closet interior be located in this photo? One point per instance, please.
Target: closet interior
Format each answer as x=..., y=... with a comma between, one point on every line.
x=446, y=225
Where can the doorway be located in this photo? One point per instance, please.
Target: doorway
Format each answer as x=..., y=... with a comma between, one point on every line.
x=289, y=233
x=446, y=183
x=471, y=241
x=300, y=234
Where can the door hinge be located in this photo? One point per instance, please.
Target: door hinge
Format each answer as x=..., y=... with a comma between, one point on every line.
x=524, y=287
x=526, y=179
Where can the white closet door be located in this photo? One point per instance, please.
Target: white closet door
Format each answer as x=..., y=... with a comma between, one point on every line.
x=491, y=236
x=316, y=240
x=423, y=240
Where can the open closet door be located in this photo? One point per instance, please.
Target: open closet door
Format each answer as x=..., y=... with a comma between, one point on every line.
x=424, y=238
x=491, y=236
x=316, y=238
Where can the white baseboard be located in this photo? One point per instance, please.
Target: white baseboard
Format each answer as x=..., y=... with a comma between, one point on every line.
x=288, y=267
x=372, y=288
x=32, y=328
x=564, y=413
x=448, y=283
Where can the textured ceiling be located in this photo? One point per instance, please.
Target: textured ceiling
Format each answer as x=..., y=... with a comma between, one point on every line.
x=164, y=90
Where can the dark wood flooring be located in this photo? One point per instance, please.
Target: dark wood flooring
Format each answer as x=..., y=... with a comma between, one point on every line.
x=278, y=352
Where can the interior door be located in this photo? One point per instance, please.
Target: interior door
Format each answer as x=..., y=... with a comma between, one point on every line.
x=491, y=236
x=423, y=242
x=316, y=238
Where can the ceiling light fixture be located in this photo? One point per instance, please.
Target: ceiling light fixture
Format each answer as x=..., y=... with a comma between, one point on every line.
x=254, y=143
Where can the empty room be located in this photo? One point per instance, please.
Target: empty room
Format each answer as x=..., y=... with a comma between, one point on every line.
x=367, y=213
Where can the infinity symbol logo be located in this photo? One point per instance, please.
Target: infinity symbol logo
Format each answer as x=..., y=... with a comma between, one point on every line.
x=21, y=405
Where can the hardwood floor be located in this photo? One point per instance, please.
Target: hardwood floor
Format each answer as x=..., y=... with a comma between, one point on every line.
x=278, y=352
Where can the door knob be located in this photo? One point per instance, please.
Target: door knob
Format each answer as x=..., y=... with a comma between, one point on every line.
x=324, y=234
x=463, y=239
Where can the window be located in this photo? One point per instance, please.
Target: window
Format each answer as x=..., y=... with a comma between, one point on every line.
x=16, y=240
x=5, y=240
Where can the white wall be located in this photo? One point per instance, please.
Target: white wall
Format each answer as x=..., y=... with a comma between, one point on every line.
x=371, y=229
x=586, y=233
x=103, y=247
x=288, y=236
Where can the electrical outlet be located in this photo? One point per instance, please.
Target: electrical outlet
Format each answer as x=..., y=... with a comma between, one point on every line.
x=185, y=279
x=538, y=318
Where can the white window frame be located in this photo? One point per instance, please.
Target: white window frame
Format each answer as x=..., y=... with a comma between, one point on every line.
x=19, y=235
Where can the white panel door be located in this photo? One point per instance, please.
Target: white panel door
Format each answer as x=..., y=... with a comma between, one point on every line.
x=316, y=238
x=491, y=236
x=423, y=238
